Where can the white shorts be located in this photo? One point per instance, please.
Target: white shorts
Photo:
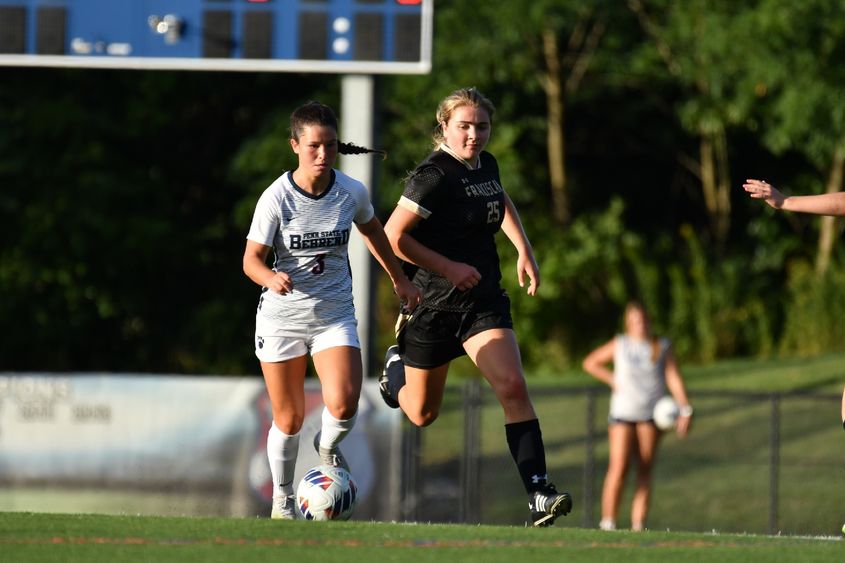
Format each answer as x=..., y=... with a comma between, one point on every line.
x=288, y=344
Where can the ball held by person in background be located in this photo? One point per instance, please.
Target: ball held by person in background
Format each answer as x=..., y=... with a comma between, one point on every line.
x=666, y=413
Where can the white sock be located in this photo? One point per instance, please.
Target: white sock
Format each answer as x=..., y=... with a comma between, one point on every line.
x=282, y=450
x=333, y=430
x=607, y=524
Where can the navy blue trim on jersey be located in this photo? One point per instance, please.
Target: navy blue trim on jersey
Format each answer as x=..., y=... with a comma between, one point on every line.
x=309, y=194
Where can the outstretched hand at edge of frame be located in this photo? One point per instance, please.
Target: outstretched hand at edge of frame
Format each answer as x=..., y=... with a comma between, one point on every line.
x=760, y=189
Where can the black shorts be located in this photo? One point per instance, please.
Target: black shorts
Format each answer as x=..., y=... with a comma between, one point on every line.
x=612, y=420
x=432, y=338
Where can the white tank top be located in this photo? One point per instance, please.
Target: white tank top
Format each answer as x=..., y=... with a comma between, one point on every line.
x=638, y=380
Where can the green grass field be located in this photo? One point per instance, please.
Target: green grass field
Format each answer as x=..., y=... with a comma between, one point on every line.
x=716, y=479
x=710, y=502
x=91, y=538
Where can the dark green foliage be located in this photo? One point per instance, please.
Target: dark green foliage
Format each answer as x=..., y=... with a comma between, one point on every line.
x=121, y=249
x=125, y=196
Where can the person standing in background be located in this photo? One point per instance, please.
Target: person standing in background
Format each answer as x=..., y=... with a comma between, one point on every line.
x=643, y=368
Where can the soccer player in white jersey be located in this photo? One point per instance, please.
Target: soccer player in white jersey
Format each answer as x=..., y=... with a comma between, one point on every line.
x=306, y=306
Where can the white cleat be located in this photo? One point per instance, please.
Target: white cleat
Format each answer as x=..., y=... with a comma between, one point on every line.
x=284, y=508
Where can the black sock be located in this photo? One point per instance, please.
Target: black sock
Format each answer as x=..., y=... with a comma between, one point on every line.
x=526, y=444
x=395, y=378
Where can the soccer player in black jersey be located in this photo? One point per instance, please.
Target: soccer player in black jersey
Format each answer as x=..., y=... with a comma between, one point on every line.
x=444, y=229
x=820, y=204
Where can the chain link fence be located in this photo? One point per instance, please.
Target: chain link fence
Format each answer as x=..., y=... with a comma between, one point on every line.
x=753, y=462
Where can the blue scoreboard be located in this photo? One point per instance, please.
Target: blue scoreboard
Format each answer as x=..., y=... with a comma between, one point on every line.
x=344, y=36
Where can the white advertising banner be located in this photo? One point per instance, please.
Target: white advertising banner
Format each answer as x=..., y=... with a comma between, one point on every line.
x=180, y=438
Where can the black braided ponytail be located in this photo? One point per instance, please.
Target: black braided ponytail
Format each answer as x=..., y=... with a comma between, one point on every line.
x=316, y=113
x=349, y=148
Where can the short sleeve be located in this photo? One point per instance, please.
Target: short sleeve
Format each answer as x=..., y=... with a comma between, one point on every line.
x=266, y=219
x=421, y=195
x=364, y=209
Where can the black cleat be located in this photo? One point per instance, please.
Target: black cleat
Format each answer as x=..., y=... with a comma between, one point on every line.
x=391, y=357
x=547, y=504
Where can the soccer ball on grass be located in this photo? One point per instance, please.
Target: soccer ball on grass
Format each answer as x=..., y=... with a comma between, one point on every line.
x=326, y=493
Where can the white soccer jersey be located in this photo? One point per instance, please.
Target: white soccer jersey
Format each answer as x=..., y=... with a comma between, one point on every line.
x=310, y=236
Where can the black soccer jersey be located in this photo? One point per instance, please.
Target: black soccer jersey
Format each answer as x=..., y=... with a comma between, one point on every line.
x=462, y=210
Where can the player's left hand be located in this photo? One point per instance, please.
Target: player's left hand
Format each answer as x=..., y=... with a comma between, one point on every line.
x=526, y=265
x=682, y=426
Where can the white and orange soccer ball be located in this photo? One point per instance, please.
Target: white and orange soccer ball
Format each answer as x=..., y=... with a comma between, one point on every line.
x=326, y=493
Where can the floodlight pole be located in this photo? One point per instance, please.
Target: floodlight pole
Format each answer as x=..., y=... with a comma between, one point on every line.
x=357, y=115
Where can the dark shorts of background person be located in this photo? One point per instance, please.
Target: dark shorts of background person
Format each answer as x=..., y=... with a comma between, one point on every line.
x=612, y=420
x=432, y=338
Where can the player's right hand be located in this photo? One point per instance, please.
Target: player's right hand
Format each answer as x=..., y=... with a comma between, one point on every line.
x=760, y=189
x=280, y=283
x=463, y=276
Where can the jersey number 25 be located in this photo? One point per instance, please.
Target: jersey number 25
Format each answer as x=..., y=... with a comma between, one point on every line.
x=493, y=214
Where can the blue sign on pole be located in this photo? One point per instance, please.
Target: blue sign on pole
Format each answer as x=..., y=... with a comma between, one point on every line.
x=343, y=36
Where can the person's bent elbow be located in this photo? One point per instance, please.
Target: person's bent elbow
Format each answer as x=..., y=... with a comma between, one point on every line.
x=393, y=236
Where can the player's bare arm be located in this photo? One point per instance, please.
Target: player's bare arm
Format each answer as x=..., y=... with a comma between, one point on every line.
x=821, y=204
x=526, y=263
x=597, y=361
x=398, y=228
x=379, y=246
x=256, y=269
x=675, y=383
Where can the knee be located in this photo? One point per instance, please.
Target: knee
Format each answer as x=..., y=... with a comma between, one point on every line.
x=616, y=472
x=342, y=404
x=617, y=468
x=423, y=418
x=289, y=423
x=512, y=389
x=343, y=411
x=644, y=471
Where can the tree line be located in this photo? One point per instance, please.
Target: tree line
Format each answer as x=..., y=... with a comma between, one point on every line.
x=623, y=130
